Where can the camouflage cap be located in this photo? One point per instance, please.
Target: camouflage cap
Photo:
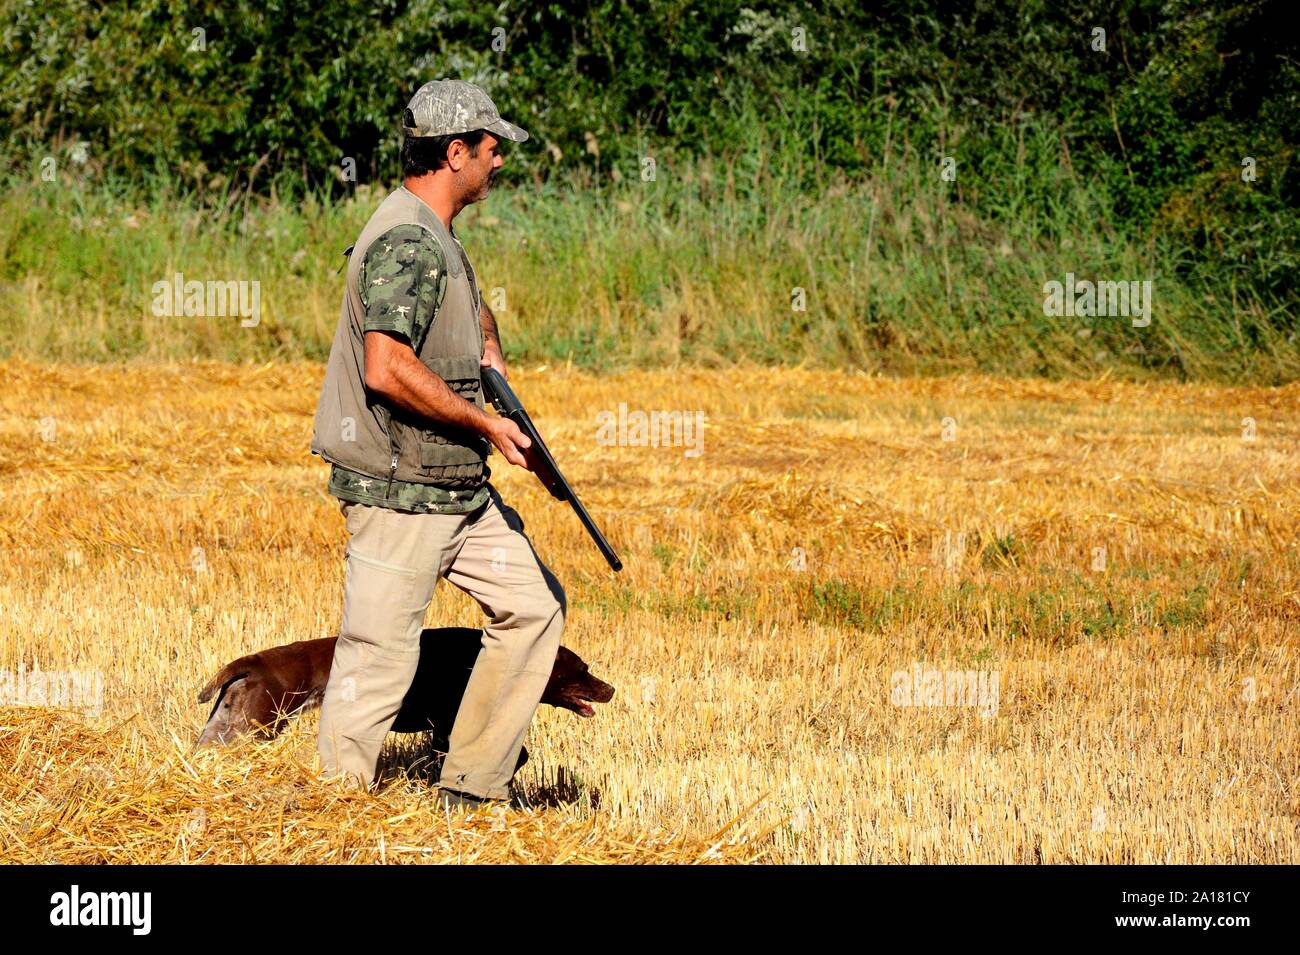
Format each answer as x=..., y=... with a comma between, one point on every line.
x=444, y=107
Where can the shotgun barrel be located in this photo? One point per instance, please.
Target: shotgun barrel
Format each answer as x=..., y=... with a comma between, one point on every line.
x=509, y=406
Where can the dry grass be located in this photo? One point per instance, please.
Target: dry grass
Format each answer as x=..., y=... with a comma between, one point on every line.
x=1147, y=710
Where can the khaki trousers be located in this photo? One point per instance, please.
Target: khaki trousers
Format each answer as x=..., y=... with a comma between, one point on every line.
x=394, y=562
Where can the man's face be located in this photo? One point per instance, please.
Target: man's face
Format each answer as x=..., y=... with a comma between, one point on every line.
x=478, y=173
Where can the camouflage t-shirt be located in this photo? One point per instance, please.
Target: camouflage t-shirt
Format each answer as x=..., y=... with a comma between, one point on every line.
x=402, y=281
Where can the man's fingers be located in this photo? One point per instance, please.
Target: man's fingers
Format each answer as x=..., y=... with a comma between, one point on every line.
x=513, y=443
x=516, y=434
x=521, y=448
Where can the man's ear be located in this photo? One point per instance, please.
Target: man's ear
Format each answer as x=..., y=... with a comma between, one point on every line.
x=456, y=154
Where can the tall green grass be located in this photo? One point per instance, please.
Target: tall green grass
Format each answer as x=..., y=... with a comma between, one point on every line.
x=903, y=272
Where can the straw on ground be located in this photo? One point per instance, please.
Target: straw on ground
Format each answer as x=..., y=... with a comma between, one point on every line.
x=1121, y=558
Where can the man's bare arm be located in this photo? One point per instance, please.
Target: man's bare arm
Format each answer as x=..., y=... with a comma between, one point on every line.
x=493, y=356
x=395, y=374
x=489, y=323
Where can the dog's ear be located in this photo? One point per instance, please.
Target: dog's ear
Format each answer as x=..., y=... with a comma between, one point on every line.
x=229, y=673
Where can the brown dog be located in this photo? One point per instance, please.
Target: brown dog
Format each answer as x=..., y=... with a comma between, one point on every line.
x=258, y=693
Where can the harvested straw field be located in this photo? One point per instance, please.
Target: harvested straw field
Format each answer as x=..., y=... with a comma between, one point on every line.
x=914, y=620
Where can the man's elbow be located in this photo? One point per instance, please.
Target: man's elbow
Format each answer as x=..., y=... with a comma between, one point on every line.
x=377, y=379
x=378, y=367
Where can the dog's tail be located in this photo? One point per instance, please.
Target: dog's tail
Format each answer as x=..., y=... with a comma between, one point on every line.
x=231, y=671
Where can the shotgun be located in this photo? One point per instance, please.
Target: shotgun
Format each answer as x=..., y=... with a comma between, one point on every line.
x=509, y=406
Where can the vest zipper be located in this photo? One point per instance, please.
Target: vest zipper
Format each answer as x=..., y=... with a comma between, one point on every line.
x=392, y=450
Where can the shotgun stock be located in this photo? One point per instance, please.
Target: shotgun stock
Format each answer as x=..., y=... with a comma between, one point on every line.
x=509, y=406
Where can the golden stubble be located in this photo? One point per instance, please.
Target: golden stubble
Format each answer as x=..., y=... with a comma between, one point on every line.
x=1121, y=557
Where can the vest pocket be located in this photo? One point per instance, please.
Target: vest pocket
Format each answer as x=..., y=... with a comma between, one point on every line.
x=462, y=373
x=442, y=453
x=439, y=454
x=454, y=447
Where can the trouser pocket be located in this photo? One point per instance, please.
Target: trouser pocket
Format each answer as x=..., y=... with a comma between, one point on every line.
x=382, y=604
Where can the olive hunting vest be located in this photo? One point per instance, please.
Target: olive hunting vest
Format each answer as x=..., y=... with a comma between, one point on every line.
x=360, y=431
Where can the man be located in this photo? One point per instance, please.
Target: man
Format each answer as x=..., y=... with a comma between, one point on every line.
x=402, y=420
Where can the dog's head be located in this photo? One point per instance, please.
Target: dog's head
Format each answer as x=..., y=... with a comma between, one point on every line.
x=229, y=716
x=248, y=700
x=573, y=687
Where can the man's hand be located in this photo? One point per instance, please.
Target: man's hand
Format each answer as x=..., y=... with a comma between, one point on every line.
x=510, y=441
